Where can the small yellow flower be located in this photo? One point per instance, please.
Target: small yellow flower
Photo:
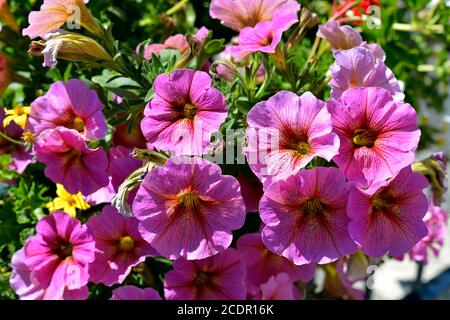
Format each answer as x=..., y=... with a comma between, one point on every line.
x=19, y=115
x=69, y=203
x=28, y=137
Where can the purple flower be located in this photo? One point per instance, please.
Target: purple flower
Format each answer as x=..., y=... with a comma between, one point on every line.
x=184, y=113
x=69, y=104
x=340, y=37
x=286, y=132
x=391, y=220
x=188, y=208
x=221, y=277
x=263, y=264
x=360, y=67
x=54, y=263
x=118, y=244
x=71, y=162
x=135, y=293
x=305, y=217
x=378, y=136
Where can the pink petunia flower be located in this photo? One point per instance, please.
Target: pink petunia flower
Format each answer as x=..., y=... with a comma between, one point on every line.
x=391, y=220
x=360, y=67
x=118, y=244
x=54, y=264
x=184, y=113
x=237, y=14
x=221, y=277
x=264, y=37
x=188, y=208
x=436, y=220
x=278, y=287
x=71, y=162
x=263, y=264
x=20, y=156
x=340, y=37
x=69, y=104
x=53, y=14
x=378, y=136
x=135, y=293
x=305, y=217
x=286, y=132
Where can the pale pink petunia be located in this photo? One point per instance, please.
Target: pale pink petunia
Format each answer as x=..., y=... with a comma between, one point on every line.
x=360, y=67
x=71, y=162
x=378, y=135
x=339, y=37
x=391, y=220
x=305, y=217
x=436, y=220
x=264, y=37
x=135, y=293
x=20, y=156
x=188, y=208
x=53, y=14
x=286, y=132
x=237, y=14
x=221, y=277
x=278, y=287
x=118, y=245
x=69, y=104
x=184, y=113
x=263, y=264
x=54, y=264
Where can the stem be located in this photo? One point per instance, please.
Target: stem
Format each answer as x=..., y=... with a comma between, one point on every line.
x=144, y=270
x=180, y=5
x=12, y=140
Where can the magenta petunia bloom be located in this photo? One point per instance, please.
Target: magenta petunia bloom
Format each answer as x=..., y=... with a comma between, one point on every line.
x=436, y=220
x=237, y=14
x=305, y=217
x=378, y=136
x=71, y=162
x=184, y=113
x=118, y=244
x=135, y=293
x=221, y=277
x=278, y=287
x=54, y=263
x=359, y=68
x=69, y=104
x=340, y=37
x=20, y=156
x=391, y=220
x=286, y=132
x=264, y=37
x=188, y=208
x=263, y=264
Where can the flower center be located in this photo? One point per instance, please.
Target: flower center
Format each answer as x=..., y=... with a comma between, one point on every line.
x=384, y=201
x=190, y=201
x=78, y=124
x=364, y=138
x=19, y=110
x=28, y=137
x=189, y=111
x=65, y=250
x=302, y=148
x=202, y=278
x=313, y=206
x=126, y=243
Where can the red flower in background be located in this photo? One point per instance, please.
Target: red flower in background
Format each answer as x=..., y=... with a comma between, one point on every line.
x=359, y=8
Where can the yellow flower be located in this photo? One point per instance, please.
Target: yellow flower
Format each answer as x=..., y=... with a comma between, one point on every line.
x=69, y=203
x=19, y=115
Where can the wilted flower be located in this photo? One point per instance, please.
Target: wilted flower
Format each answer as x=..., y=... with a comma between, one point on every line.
x=5, y=74
x=69, y=46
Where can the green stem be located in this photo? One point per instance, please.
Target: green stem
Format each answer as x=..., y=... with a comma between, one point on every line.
x=180, y=5
x=12, y=140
